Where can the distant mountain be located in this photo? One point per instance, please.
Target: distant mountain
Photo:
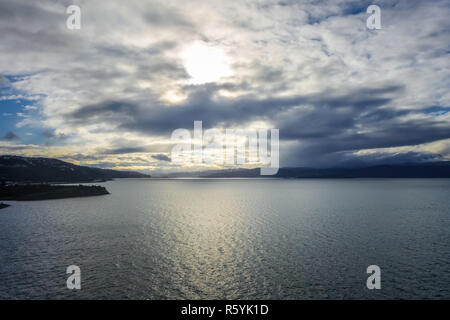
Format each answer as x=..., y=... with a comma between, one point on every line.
x=25, y=169
x=423, y=170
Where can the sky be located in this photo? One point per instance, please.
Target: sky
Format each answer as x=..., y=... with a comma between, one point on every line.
x=111, y=93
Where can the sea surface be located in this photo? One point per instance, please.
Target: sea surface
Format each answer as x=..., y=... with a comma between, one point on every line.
x=232, y=239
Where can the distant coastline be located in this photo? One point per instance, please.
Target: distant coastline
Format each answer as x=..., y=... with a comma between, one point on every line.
x=47, y=192
x=407, y=170
x=3, y=205
x=25, y=170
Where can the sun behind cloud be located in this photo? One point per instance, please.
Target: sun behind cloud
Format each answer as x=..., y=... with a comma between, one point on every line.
x=205, y=63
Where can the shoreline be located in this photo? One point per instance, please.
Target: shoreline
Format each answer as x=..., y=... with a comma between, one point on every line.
x=48, y=192
x=4, y=205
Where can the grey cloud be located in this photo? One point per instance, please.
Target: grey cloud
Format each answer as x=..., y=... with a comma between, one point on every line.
x=166, y=17
x=371, y=89
x=124, y=147
x=386, y=158
x=10, y=136
x=125, y=150
x=326, y=123
x=160, y=119
x=103, y=165
x=4, y=82
x=161, y=157
x=79, y=157
x=382, y=158
x=108, y=111
x=53, y=135
x=339, y=148
x=17, y=148
x=108, y=164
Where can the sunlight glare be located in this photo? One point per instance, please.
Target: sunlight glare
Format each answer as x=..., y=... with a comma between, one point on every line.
x=205, y=63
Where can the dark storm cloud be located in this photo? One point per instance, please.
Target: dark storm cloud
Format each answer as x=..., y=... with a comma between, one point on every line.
x=159, y=119
x=401, y=158
x=108, y=111
x=329, y=112
x=10, y=136
x=161, y=157
x=328, y=124
x=339, y=146
x=330, y=117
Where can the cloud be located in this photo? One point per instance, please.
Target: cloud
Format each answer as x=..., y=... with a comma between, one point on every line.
x=125, y=150
x=10, y=136
x=3, y=82
x=18, y=149
x=201, y=105
x=161, y=157
x=312, y=69
x=54, y=135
